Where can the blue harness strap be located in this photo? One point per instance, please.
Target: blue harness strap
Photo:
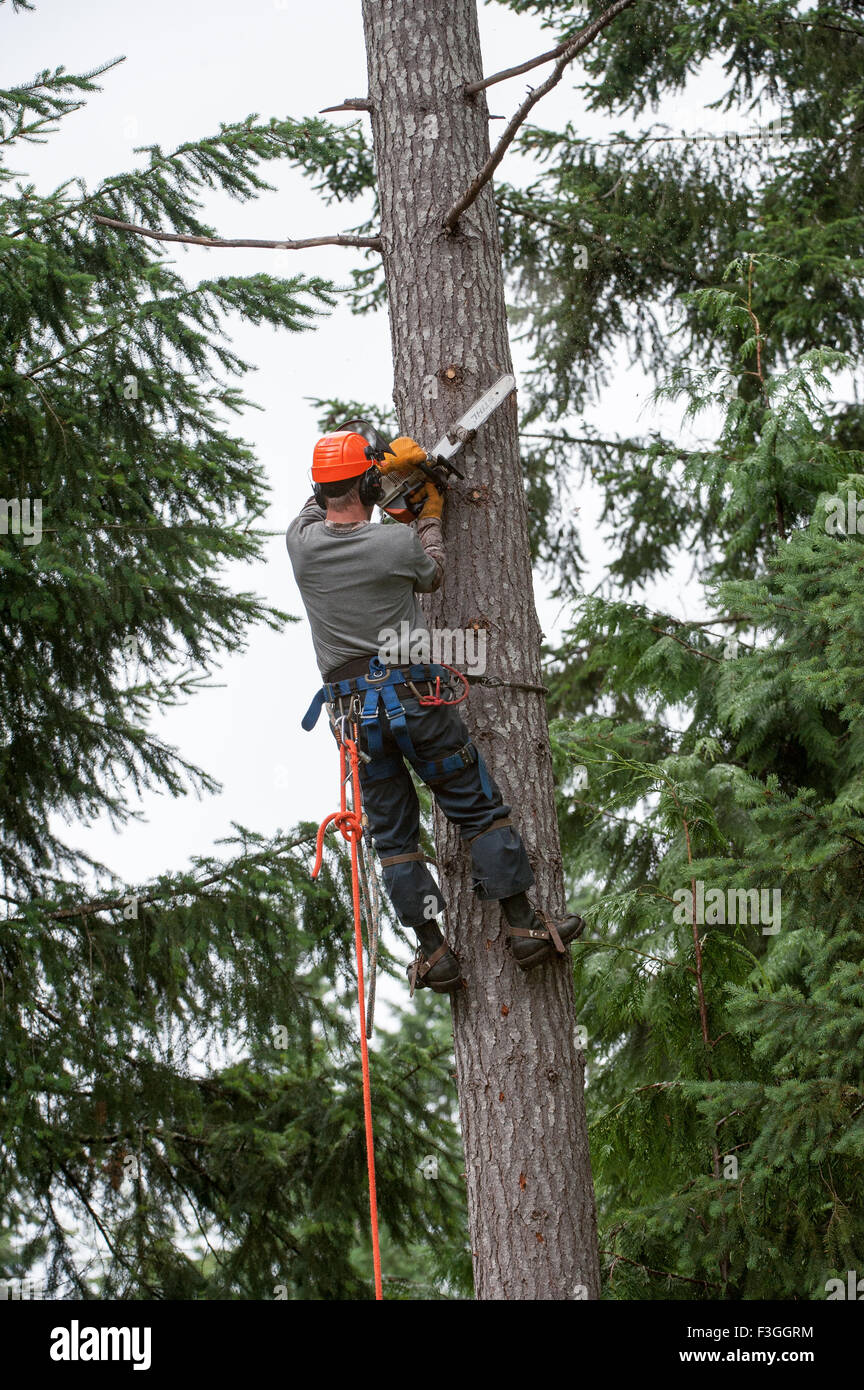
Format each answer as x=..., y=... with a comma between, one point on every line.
x=395, y=713
x=379, y=679
x=369, y=722
x=465, y=756
x=310, y=718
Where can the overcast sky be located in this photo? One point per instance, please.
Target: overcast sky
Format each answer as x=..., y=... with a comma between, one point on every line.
x=191, y=64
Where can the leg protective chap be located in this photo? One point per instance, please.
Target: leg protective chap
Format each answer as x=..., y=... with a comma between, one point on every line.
x=413, y=891
x=499, y=863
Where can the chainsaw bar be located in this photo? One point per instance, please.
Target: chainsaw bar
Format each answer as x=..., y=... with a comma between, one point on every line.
x=394, y=498
x=465, y=429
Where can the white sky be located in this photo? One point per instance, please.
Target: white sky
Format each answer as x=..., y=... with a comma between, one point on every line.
x=191, y=64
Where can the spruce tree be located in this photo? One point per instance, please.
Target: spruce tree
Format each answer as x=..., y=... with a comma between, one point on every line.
x=722, y=984
x=720, y=751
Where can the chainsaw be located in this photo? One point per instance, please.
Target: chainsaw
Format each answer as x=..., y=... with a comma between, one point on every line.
x=397, y=497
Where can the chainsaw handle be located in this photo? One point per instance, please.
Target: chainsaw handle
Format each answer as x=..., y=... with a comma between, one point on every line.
x=430, y=474
x=439, y=463
x=433, y=469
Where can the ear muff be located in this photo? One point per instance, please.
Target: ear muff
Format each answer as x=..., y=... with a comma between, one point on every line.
x=370, y=486
x=318, y=494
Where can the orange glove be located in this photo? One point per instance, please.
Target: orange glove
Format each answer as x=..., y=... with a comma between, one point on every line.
x=433, y=502
x=408, y=454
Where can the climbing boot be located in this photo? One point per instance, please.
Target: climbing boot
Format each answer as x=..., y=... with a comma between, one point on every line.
x=435, y=965
x=534, y=937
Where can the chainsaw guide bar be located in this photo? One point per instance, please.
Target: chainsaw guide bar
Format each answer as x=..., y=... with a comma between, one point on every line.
x=395, y=498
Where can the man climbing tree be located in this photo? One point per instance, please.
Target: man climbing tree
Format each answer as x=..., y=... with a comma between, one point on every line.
x=530, y=1195
x=358, y=582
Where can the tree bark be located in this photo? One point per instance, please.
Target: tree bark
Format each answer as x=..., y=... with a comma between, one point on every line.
x=519, y=1072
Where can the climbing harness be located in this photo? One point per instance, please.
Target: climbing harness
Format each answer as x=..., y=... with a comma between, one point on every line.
x=350, y=823
x=379, y=688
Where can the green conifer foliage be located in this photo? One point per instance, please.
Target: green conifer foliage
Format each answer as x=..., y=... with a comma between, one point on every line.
x=698, y=755
x=724, y=784
x=725, y=1076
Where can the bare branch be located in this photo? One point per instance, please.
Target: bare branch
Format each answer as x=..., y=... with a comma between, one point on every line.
x=634, y=445
x=472, y=88
x=349, y=104
x=373, y=242
x=574, y=47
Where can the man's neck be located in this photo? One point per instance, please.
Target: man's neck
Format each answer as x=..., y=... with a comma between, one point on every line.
x=349, y=516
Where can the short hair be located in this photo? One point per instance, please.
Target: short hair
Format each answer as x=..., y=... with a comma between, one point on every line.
x=343, y=494
x=340, y=489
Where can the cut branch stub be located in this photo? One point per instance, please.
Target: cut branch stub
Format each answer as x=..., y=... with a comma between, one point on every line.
x=349, y=104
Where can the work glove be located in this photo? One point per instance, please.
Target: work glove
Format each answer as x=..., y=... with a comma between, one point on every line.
x=408, y=454
x=433, y=501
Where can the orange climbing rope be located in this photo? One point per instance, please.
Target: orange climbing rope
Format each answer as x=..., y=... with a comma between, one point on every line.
x=350, y=823
x=437, y=698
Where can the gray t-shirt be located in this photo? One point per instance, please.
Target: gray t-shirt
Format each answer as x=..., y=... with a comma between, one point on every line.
x=358, y=585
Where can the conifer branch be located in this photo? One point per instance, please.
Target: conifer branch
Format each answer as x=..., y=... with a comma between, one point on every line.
x=615, y=246
x=662, y=1273
x=87, y=909
x=82, y=1196
x=621, y=946
x=709, y=656
x=602, y=811
x=700, y=989
x=373, y=243
x=819, y=24
x=571, y=51
x=697, y=945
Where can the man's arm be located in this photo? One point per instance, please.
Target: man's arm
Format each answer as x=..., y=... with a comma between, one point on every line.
x=432, y=541
x=407, y=454
x=308, y=515
x=310, y=511
x=430, y=537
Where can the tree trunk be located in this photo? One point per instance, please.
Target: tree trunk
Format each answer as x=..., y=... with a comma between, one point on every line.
x=520, y=1075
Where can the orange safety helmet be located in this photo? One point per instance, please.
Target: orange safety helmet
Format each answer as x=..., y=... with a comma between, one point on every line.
x=338, y=456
